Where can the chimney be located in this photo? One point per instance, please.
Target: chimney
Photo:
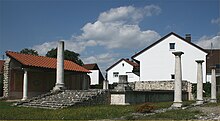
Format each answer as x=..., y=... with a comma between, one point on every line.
x=188, y=37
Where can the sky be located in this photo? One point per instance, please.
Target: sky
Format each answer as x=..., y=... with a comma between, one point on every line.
x=104, y=31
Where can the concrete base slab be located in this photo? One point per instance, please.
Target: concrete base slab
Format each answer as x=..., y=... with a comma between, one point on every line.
x=177, y=105
x=59, y=87
x=213, y=100
x=199, y=102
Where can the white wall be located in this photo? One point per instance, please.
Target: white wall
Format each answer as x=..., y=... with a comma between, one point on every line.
x=123, y=70
x=94, y=76
x=158, y=62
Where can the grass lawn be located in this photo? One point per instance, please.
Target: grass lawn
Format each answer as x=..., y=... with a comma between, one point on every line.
x=89, y=112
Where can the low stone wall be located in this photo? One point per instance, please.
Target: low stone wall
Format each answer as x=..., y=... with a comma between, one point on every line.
x=161, y=85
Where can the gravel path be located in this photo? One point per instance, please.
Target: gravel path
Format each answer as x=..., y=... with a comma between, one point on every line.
x=209, y=113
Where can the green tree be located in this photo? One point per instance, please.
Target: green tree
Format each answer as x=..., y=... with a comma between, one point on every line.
x=68, y=55
x=29, y=51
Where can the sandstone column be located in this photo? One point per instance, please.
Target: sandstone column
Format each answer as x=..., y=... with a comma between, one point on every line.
x=199, y=96
x=25, y=85
x=60, y=67
x=178, y=81
x=213, y=85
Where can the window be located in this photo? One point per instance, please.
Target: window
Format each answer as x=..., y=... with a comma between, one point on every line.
x=115, y=74
x=172, y=46
x=172, y=76
x=123, y=64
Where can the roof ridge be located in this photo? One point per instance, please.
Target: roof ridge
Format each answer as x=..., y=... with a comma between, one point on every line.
x=29, y=54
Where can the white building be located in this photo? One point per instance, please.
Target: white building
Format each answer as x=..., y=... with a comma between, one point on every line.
x=96, y=76
x=122, y=67
x=157, y=62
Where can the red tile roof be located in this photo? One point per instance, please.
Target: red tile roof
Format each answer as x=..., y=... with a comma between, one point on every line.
x=92, y=66
x=126, y=60
x=44, y=62
x=1, y=66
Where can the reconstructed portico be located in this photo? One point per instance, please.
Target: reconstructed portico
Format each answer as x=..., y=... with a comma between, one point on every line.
x=27, y=75
x=178, y=81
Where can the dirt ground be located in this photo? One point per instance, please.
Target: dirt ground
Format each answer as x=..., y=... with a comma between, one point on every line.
x=209, y=112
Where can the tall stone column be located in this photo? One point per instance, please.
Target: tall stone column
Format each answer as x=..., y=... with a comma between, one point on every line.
x=178, y=81
x=213, y=85
x=199, y=96
x=25, y=85
x=60, y=67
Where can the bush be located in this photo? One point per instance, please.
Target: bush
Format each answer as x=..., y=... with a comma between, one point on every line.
x=145, y=108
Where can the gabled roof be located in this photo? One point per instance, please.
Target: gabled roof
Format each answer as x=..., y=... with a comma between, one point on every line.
x=126, y=60
x=163, y=38
x=44, y=62
x=1, y=66
x=92, y=66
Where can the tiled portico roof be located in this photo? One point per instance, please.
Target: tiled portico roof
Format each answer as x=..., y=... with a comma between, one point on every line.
x=44, y=62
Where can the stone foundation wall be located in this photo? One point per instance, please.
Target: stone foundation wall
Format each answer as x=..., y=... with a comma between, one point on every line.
x=6, y=78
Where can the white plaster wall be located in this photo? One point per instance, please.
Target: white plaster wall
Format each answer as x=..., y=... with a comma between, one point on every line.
x=94, y=76
x=123, y=70
x=158, y=62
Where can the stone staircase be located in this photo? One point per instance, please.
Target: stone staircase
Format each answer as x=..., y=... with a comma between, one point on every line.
x=66, y=98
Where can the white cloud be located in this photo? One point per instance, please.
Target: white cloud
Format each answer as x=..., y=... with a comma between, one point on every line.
x=104, y=60
x=205, y=42
x=128, y=14
x=69, y=44
x=113, y=35
x=216, y=21
x=115, y=28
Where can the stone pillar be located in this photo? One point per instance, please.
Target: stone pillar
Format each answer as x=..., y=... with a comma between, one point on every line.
x=199, y=96
x=178, y=81
x=105, y=84
x=25, y=85
x=60, y=67
x=213, y=85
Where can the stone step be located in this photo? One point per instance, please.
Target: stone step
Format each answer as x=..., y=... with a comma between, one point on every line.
x=63, y=99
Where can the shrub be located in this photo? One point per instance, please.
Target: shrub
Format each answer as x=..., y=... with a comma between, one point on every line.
x=145, y=108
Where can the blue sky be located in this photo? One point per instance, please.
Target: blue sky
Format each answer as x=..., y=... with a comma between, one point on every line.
x=103, y=31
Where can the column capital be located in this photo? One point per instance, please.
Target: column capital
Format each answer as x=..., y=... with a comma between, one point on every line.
x=199, y=61
x=213, y=67
x=178, y=53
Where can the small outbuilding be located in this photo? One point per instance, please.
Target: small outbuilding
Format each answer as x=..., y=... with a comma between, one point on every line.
x=96, y=76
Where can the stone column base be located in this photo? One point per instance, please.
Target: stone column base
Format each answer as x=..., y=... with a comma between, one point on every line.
x=24, y=98
x=199, y=102
x=59, y=87
x=213, y=100
x=177, y=105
